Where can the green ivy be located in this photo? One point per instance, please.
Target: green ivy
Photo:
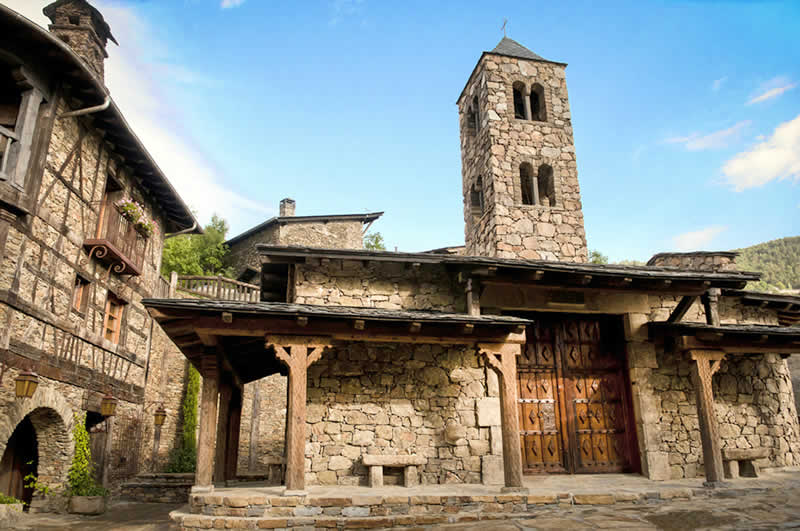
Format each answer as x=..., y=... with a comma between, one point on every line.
x=80, y=479
x=184, y=458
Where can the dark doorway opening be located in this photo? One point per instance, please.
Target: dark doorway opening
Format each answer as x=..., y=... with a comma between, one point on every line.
x=97, y=428
x=20, y=459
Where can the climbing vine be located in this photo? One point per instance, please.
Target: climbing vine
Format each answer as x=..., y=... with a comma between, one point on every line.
x=80, y=479
x=184, y=458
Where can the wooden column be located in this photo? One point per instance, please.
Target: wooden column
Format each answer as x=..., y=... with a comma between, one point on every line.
x=223, y=421
x=209, y=370
x=297, y=353
x=234, y=425
x=503, y=359
x=711, y=305
x=255, y=421
x=706, y=363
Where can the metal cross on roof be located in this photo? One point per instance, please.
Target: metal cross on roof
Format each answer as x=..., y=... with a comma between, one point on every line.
x=505, y=21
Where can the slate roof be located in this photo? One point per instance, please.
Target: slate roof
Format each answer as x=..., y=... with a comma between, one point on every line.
x=363, y=218
x=342, y=312
x=611, y=270
x=511, y=48
x=690, y=329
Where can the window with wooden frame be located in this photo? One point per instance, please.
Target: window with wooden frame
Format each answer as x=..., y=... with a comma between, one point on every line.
x=80, y=294
x=112, y=324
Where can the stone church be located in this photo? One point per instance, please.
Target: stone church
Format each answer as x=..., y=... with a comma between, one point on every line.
x=509, y=357
x=329, y=364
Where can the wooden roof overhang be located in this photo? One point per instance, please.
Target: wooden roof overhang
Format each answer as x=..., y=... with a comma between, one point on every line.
x=787, y=306
x=239, y=329
x=733, y=339
x=532, y=273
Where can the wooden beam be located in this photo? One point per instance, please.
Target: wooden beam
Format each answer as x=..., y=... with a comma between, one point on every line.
x=414, y=328
x=358, y=324
x=302, y=321
x=502, y=358
x=706, y=363
x=225, y=395
x=681, y=309
x=469, y=328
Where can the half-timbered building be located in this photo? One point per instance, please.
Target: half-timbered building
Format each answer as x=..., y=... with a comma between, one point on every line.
x=84, y=211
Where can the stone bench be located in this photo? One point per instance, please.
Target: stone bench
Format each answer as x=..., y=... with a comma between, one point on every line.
x=409, y=463
x=742, y=461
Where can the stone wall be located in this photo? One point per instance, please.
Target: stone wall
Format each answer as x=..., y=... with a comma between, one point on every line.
x=697, y=261
x=392, y=399
x=755, y=405
x=328, y=234
x=495, y=153
x=378, y=285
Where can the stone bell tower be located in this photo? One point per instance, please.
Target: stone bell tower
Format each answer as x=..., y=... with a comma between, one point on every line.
x=83, y=28
x=520, y=178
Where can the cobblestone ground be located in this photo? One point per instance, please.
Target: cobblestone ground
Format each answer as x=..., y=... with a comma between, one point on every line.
x=771, y=509
x=121, y=516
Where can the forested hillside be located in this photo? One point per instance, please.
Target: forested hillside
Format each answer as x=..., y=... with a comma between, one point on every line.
x=777, y=260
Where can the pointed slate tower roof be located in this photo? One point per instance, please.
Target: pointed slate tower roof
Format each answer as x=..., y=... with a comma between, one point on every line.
x=512, y=48
x=509, y=48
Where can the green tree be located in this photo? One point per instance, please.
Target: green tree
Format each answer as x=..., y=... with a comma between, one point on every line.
x=596, y=257
x=198, y=254
x=374, y=242
x=184, y=458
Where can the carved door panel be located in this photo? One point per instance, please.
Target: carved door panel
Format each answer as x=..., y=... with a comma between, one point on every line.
x=573, y=396
x=540, y=423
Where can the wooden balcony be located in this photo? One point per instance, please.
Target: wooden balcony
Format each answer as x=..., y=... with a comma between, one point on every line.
x=118, y=243
x=212, y=287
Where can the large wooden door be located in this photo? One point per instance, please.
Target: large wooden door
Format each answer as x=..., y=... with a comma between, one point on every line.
x=574, y=413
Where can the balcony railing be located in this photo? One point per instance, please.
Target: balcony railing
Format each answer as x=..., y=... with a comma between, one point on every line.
x=212, y=287
x=118, y=243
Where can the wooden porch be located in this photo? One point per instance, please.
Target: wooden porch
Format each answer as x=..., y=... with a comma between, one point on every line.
x=232, y=343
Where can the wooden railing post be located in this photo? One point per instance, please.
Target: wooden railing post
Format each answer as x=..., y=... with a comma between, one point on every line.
x=173, y=284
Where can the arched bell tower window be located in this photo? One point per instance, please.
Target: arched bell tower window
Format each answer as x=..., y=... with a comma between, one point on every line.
x=476, y=198
x=519, y=101
x=471, y=120
x=527, y=184
x=537, y=103
x=547, y=190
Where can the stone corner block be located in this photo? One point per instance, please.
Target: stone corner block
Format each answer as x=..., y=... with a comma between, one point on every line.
x=492, y=471
x=488, y=411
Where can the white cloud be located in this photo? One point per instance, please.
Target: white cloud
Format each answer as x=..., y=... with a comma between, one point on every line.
x=778, y=157
x=715, y=140
x=227, y=4
x=696, y=240
x=717, y=84
x=134, y=73
x=772, y=89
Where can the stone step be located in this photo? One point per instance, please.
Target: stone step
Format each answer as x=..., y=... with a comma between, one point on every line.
x=249, y=504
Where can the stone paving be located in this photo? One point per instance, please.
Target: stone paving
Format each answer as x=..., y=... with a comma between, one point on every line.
x=770, y=502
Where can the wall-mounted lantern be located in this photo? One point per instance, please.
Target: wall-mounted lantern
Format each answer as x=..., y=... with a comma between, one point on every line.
x=25, y=384
x=108, y=406
x=160, y=416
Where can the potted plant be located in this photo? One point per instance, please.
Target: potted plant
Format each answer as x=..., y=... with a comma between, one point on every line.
x=10, y=510
x=134, y=212
x=85, y=495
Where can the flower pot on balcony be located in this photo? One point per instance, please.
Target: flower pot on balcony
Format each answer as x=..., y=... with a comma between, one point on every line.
x=87, y=504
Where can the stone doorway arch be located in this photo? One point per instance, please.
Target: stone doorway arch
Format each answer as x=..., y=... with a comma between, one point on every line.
x=51, y=418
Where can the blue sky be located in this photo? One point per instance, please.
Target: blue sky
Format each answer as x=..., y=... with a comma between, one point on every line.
x=686, y=114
